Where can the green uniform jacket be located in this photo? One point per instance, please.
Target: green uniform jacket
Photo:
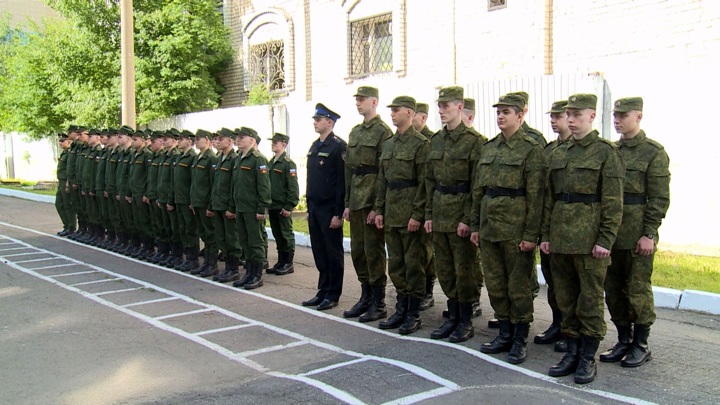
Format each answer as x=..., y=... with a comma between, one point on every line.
x=62, y=162
x=511, y=165
x=250, y=187
x=283, y=183
x=363, y=153
x=427, y=132
x=123, y=169
x=590, y=166
x=80, y=160
x=153, y=173
x=181, y=177
x=222, y=181
x=482, y=137
x=647, y=174
x=534, y=134
x=71, y=159
x=111, y=171
x=452, y=161
x=202, y=176
x=101, y=174
x=401, y=193
x=92, y=161
x=138, y=172
x=549, y=148
x=165, y=183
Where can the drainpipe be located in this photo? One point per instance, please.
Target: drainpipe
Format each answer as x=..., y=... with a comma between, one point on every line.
x=549, y=43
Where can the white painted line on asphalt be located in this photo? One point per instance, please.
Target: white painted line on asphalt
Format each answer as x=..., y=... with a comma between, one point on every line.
x=38, y=260
x=327, y=388
x=7, y=243
x=134, y=304
x=95, y=281
x=271, y=349
x=118, y=291
x=15, y=248
x=225, y=329
x=68, y=274
x=334, y=366
x=179, y=314
x=23, y=254
x=56, y=266
x=418, y=371
x=421, y=396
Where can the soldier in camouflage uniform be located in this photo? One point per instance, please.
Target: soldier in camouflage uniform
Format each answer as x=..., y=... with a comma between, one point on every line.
x=137, y=177
x=181, y=180
x=419, y=123
x=203, y=168
x=89, y=171
x=62, y=197
x=114, y=226
x=400, y=209
x=157, y=152
x=646, y=198
x=77, y=176
x=582, y=214
x=507, y=210
x=529, y=131
x=124, y=193
x=102, y=204
x=285, y=196
x=170, y=237
x=367, y=243
x=558, y=121
x=452, y=160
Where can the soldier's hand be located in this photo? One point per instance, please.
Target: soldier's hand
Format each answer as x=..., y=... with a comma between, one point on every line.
x=545, y=247
x=428, y=226
x=67, y=189
x=600, y=252
x=371, y=217
x=645, y=246
x=526, y=246
x=209, y=213
x=129, y=200
x=285, y=213
x=379, y=223
x=92, y=194
x=74, y=186
x=82, y=193
x=117, y=198
x=336, y=222
x=463, y=230
x=346, y=214
x=260, y=217
x=145, y=200
x=192, y=209
x=229, y=215
x=169, y=207
x=413, y=225
x=105, y=194
x=475, y=238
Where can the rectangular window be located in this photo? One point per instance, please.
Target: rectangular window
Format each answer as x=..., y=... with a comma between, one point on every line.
x=496, y=4
x=371, y=45
x=267, y=65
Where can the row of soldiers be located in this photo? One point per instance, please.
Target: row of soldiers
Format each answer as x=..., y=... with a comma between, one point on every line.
x=469, y=210
x=153, y=195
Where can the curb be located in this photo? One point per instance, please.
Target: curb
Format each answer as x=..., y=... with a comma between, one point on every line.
x=691, y=300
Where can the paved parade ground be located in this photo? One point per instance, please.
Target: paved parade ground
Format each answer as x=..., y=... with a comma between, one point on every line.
x=82, y=325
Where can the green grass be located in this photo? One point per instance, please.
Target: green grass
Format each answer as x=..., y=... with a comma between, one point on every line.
x=300, y=224
x=52, y=191
x=686, y=272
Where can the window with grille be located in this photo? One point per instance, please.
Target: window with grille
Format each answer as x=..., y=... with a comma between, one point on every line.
x=371, y=45
x=496, y=4
x=267, y=65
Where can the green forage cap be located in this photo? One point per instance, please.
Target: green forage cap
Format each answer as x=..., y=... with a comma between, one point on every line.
x=511, y=99
x=558, y=107
x=450, y=94
x=523, y=95
x=140, y=134
x=172, y=133
x=201, y=133
x=422, y=108
x=582, y=101
x=245, y=131
x=280, y=137
x=156, y=134
x=126, y=130
x=367, y=91
x=62, y=136
x=228, y=133
x=469, y=103
x=93, y=131
x=186, y=134
x=72, y=128
x=629, y=104
x=404, y=101
x=81, y=128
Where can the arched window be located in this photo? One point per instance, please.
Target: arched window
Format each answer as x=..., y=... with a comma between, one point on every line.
x=269, y=49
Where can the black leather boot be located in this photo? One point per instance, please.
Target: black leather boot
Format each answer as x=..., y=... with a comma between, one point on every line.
x=277, y=265
x=118, y=245
x=621, y=348
x=177, y=256
x=211, y=265
x=247, y=277
x=569, y=362
x=288, y=266
x=160, y=254
x=587, y=367
x=640, y=352
x=412, y=318
x=191, y=260
x=377, y=309
x=148, y=249
x=363, y=303
x=518, y=352
x=465, y=329
x=450, y=324
x=256, y=281
x=231, y=272
x=396, y=319
x=553, y=333
x=502, y=342
x=429, y=299
x=207, y=262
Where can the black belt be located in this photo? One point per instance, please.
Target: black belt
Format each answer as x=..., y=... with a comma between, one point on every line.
x=363, y=170
x=458, y=188
x=577, y=198
x=401, y=184
x=634, y=199
x=493, y=192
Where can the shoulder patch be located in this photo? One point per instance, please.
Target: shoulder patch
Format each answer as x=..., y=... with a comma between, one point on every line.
x=608, y=142
x=530, y=140
x=655, y=143
x=287, y=159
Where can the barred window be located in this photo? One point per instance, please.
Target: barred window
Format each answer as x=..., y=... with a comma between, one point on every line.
x=371, y=45
x=496, y=4
x=267, y=65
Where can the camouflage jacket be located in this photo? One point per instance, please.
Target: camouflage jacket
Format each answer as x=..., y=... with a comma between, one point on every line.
x=363, y=153
x=534, y=134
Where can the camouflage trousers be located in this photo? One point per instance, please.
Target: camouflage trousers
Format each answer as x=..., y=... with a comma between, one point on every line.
x=628, y=289
x=406, y=261
x=367, y=249
x=226, y=235
x=507, y=279
x=579, y=292
x=206, y=230
x=478, y=271
x=429, y=255
x=454, y=257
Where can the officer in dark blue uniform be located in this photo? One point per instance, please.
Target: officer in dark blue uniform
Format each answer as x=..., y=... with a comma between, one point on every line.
x=326, y=202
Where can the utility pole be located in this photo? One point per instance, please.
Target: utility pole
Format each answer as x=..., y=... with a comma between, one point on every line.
x=127, y=62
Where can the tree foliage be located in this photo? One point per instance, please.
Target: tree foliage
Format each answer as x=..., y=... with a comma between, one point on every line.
x=68, y=70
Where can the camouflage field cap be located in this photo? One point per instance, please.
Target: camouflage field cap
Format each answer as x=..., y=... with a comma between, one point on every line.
x=469, y=103
x=125, y=130
x=367, y=91
x=451, y=93
x=277, y=136
x=245, y=131
x=227, y=133
x=558, y=107
x=201, y=133
x=422, y=108
x=511, y=99
x=628, y=104
x=582, y=101
x=404, y=101
x=523, y=95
